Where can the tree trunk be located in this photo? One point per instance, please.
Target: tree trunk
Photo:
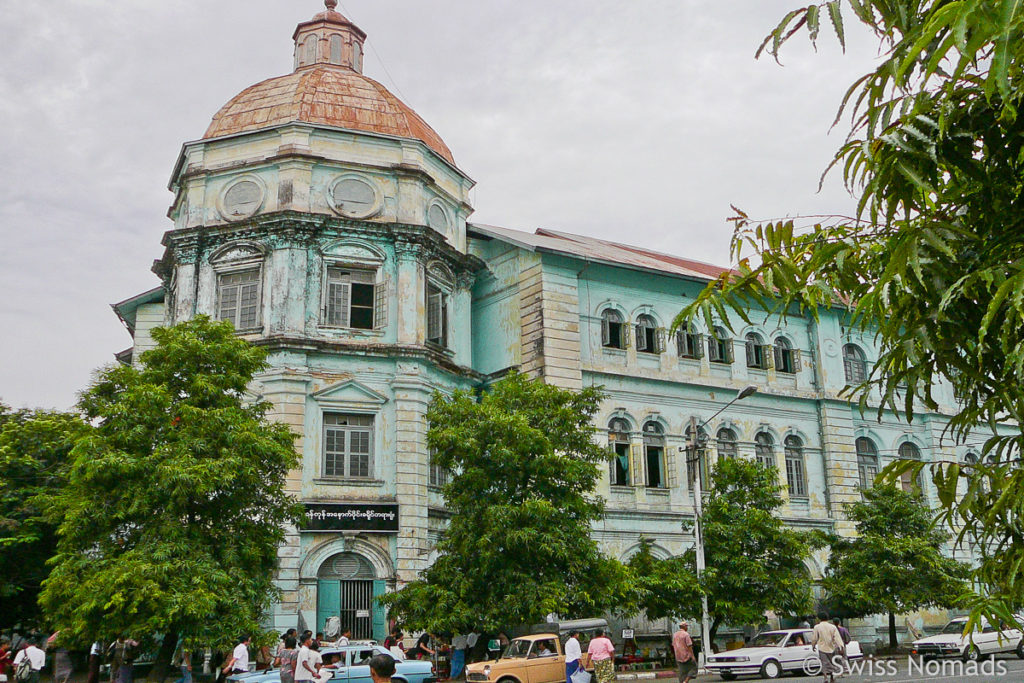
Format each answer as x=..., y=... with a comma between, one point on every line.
x=712, y=632
x=163, y=658
x=892, y=631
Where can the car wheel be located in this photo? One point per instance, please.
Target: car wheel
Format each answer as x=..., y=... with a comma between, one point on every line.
x=1020, y=649
x=727, y=676
x=971, y=654
x=771, y=669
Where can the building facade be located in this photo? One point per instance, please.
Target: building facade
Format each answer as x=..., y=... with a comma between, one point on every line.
x=329, y=223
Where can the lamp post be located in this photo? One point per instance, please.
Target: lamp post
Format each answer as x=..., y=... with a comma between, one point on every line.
x=698, y=511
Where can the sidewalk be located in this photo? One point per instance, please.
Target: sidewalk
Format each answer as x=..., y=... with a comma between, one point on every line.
x=645, y=675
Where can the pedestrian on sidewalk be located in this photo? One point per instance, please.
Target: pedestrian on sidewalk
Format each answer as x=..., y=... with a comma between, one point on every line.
x=458, y=655
x=346, y=637
x=827, y=640
x=285, y=660
x=306, y=661
x=682, y=647
x=844, y=633
x=573, y=655
x=602, y=654
x=122, y=657
x=183, y=660
x=35, y=657
x=95, y=658
x=238, y=662
x=6, y=656
x=284, y=637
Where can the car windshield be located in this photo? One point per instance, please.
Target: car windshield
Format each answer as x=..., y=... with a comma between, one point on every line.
x=768, y=640
x=956, y=626
x=517, y=648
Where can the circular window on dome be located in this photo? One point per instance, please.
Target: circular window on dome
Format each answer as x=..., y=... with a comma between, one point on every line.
x=437, y=218
x=241, y=199
x=354, y=197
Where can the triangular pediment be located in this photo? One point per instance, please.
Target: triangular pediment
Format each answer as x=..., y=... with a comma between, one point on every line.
x=350, y=392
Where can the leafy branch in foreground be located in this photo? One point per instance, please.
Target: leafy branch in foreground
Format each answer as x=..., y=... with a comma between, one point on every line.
x=932, y=265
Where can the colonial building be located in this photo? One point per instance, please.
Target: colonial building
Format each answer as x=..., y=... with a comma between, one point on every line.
x=328, y=222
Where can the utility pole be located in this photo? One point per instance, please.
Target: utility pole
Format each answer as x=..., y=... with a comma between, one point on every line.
x=698, y=510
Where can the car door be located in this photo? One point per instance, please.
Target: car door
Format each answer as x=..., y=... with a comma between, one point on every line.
x=358, y=669
x=987, y=639
x=544, y=669
x=796, y=649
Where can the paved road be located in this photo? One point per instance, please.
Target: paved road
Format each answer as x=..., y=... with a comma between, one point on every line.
x=1007, y=669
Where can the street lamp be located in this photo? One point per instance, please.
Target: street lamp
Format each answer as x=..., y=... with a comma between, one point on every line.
x=698, y=510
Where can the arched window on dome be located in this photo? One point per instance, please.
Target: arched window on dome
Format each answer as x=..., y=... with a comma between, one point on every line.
x=312, y=42
x=336, y=47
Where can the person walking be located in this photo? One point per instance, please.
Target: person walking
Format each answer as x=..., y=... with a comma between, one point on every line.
x=458, y=655
x=284, y=637
x=35, y=658
x=844, y=633
x=306, y=661
x=573, y=655
x=183, y=660
x=285, y=660
x=422, y=648
x=238, y=662
x=94, y=661
x=682, y=647
x=122, y=656
x=827, y=640
x=346, y=637
x=602, y=654
x=6, y=656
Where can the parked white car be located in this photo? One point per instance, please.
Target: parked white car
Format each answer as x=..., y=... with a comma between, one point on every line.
x=773, y=653
x=986, y=641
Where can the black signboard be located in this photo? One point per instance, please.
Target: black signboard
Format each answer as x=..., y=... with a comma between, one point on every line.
x=380, y=518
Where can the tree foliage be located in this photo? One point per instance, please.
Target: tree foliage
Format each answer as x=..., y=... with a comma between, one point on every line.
x=932, y=264
x=34, y=448
x=895, y=563
x=755, y=562
x=662, y=587
x=174, y=505
x=521, y=496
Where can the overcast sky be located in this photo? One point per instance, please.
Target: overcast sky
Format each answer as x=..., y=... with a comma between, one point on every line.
x=634, y=120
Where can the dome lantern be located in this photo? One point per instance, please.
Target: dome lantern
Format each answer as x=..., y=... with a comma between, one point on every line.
x=329, y=39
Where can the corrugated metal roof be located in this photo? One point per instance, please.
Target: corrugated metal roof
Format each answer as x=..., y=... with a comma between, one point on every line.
x=593, y=249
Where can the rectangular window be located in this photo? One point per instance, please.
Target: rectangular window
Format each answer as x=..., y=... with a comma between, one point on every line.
x=238, y=296
x=867, y=468
x=438, y=475
x=787, y=360
x=795, y=477
x=351, y=298
x=619, y=467
x=719, y=350
x=437, y=315
x=348, y=446
x=689, y=345
x=655, y=456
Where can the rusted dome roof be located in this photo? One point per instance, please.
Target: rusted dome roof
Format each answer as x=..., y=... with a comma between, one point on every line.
x=325, y=95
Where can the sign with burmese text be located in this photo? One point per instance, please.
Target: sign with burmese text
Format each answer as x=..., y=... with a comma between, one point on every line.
x=378, y=518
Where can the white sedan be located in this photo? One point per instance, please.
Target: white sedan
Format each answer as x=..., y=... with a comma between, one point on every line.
x=773, y=653
x=986, y=641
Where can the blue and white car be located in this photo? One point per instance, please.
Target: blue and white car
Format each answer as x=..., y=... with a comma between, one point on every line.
x=353, y=667
x=773, y=653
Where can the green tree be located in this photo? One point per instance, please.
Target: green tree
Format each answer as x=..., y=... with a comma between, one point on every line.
x=932, y=264
x=524, y=466
x=34, y=448
x=662, y=587
x=755, y=563
x=174, y=506
x=895, y=563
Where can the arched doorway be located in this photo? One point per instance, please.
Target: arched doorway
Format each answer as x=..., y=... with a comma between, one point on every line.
x=346, y=588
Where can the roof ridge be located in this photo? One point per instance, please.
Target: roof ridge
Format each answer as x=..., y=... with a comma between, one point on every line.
x=547, y=232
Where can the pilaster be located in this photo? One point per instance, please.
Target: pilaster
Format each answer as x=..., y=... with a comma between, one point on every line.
x=412, y=395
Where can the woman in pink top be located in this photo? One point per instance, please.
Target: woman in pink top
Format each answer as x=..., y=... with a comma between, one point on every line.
x=602, y=654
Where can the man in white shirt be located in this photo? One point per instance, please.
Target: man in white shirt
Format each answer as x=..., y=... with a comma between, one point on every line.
x=305, y=662
x=36, y=660
x=346, y=635
x=239, y=662
x=573, y=654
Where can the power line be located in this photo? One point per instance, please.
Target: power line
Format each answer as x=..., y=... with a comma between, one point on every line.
x=384, y=66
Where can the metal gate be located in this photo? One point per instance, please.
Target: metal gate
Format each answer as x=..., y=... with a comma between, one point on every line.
x=356, y=607
x=346, y=589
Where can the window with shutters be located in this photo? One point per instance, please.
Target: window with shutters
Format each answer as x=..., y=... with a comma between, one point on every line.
x=437, y=314
x=348, y=446
x=619, y=445
x=787, y=359
x=613, y=329
x=910, y=483
x=727, y=445
x=720, y=346
x=764, y=449
x=867, y=462
x=353, y=299
x=688, y=343
x=654, y=456
x=855, y=365
x=758, y=354
x=238, y=298
x=796, y=473
x=648, y=336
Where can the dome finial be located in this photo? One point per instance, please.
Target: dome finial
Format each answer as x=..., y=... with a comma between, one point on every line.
x=331, y=4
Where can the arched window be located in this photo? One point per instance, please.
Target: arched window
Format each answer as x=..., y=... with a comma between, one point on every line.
x=787, y=359
x=796, y=473
x=855, y=365
x=654, y=455
x=688, y=342
x=910, y=483
x=336, y=46
x=612, y=334
x=618, y=443
x=720, y=346
x=347, y=567
x=971, y=458
x=764, y=449
x=756, y=352
x=867, y=462
x=649, y=338
x=727, y=443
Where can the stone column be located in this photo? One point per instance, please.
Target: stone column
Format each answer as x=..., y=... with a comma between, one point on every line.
x=840, y=460
x=412, y=394
x=410, y=305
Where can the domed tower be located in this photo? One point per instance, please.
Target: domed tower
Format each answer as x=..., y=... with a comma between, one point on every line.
x=325, y=219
